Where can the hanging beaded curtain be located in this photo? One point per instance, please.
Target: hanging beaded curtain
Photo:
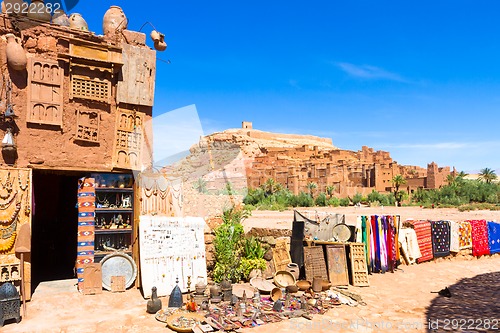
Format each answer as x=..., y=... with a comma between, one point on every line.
x=159, y=195
x=86, y=216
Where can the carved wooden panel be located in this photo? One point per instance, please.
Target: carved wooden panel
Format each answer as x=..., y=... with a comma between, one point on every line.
x=92, y=279
x=314, y=262
x=90, y=87
x=87, y=126
x=45, y=92
x=281, y=255
x=117, y=284
x=337, y=265
x=136, y=83
x=128, y=139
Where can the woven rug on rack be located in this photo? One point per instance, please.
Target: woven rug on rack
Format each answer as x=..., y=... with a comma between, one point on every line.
x=494, y=237
x=440, y=238
x=454, y=236
x=480, y=244
x=465, y=231
x=85, y=237
x=424, y=239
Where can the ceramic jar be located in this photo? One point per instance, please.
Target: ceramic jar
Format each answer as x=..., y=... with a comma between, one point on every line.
x=114, y=19
x=76, y=21
x=60, y=18
x=160, y=45
x=317, y=284
x=16, y=57
x=155, y=36
x=294, y=270
x=38, y=11
x=18, y=7
x=215, y=290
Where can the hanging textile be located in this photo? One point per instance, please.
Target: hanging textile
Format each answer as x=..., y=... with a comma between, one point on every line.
x=480, y=244
x=359, y=229
x=494, y=237
x=465, y=231
x=409, y=244
x=424, y=238
x=440, y=238
x=454, y=236
x=86, y=216
x=380, y=234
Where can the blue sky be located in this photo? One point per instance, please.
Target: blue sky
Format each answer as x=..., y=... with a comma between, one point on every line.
x=418, y=79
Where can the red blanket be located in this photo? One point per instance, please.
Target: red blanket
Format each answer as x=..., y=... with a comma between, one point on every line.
x=424, y=239
x=480, y=244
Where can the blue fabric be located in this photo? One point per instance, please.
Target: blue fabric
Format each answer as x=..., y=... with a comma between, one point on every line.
x=494, y=237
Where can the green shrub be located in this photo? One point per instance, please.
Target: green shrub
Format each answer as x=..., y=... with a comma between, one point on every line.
x=321, y=200
x=344, y=202
x=335, y=202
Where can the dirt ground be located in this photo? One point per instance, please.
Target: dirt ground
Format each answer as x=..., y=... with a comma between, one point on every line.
x=403, y=301
x=274, y=219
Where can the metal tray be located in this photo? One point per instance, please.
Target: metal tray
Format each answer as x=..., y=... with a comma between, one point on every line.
x=118, y=264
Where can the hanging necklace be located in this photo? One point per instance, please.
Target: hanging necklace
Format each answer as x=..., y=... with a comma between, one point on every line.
x=21, y=186
x=14, y=216
x=5, y=205
x=27, y=208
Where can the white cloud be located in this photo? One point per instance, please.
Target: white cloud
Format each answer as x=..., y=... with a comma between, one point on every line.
x=369, y=72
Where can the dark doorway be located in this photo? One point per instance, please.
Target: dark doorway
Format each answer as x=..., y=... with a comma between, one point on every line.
x=55, y=225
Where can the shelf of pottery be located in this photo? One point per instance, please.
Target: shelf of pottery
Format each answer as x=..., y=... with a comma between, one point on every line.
x=114, y=214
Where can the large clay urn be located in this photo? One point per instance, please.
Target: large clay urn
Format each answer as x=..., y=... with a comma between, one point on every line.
x=38, y=11
x=16, y=57
x=77, y=22
x=114, y=20
x=18, y=7
x=60, y=18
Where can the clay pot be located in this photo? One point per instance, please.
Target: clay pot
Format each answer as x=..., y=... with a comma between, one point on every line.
x=16, y=57
x=303, y=284
x=292, y=289
x=76, y=21
x=18, y=7
x=276, y=294
x=38, y=11
x=160, y=45
x=60, y=18
x=215, y=290
x=325, y=285
x=254, y=273
x=294, y=269
x=155, y=36
x=114, y=20
x=317, y=284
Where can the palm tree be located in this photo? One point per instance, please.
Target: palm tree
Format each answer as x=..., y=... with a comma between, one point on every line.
x=311, y=187
x=488, y=175
x=397, y=181
x=329, y=190
x=200, y=185
x=271, y=186
x=462, y=174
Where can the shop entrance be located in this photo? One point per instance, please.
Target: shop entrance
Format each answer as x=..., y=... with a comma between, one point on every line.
x=54, y=226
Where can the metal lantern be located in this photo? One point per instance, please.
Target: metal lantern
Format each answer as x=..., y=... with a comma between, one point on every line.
x=175, y=300
x=10, y=303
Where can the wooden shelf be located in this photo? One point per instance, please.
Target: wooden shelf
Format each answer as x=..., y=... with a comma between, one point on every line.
x=114, y=189
x=113, y=231
x=114, y=210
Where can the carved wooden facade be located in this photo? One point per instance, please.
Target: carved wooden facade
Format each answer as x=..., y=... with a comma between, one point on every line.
x=45, y=92
x=128, y=139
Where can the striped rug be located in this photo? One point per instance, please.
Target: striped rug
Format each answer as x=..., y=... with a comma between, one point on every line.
x=85, y=237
